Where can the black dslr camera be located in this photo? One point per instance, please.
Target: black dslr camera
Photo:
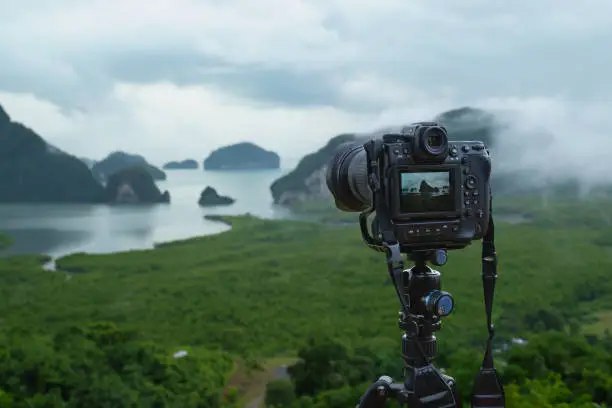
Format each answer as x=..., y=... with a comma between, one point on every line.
x=434, y=192
x=429, y=195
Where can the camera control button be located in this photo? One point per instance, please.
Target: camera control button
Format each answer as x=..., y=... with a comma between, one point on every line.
x=396, y=151
x=455, y=229
x=427, y=230
x=478, y=147
x=469, y=212
x=475, y=202
x=471, y=182
x=474, y=193
x=465, y=160
x=480, y=213
x=467, y=202
x=465, y=148
x=453, y=151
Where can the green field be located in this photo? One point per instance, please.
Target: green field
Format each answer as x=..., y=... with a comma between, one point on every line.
x=256, y=292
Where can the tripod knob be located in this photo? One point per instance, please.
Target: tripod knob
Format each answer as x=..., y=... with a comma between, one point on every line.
x=439, y=303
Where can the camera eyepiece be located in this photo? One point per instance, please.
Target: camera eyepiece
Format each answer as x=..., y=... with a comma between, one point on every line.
x=434, y=141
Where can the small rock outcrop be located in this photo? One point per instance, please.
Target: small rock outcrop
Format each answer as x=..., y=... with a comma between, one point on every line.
x=33, y=171
x=209, y=198
x=117, y=161
x=188, y=164
x=241, y=156
x=134, y=185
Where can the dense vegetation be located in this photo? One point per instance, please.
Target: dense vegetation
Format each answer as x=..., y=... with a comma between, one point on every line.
x=288, y=288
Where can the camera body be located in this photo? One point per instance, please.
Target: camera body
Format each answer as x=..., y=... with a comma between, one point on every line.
x=436, y=192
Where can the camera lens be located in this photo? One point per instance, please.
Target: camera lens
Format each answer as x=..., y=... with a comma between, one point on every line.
x=435, y=141
x=347, y=178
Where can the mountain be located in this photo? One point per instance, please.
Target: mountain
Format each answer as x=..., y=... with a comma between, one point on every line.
x=31, y=170
x=185, y=164
x=241, y=156
x=89, y=162
x=470, y=124
x=307, y=180
x=120, y=160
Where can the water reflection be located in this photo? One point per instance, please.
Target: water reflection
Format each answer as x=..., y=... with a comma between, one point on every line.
x=58, y=230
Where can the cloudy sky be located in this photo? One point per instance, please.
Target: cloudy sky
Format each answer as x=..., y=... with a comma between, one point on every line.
x=174, y=79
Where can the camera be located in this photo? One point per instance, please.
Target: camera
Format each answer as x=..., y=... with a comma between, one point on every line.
x=429, y=192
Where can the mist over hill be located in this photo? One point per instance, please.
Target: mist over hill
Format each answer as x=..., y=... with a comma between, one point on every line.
x=527, y=158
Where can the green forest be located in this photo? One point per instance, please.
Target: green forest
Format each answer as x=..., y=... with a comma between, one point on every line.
x=105, y=330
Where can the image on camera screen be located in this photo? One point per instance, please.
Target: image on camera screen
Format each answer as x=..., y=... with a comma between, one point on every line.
x=426, y=192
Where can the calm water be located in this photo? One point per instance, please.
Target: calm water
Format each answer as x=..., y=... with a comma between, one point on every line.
x=58, y=230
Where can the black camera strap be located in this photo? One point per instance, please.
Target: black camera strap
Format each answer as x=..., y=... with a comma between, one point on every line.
x=488, y=390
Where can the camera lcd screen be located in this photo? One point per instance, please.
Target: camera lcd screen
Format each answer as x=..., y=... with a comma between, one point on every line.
x=426, y=192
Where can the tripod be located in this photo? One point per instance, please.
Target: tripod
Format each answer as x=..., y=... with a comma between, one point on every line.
x=423, y=305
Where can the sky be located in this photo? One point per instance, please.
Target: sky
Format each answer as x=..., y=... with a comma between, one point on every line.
x=175, y=79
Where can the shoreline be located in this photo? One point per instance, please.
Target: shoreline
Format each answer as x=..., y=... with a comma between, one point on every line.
x=49, y=261
x=49, y=264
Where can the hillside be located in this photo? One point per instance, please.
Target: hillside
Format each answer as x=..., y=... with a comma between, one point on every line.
x=308, y=279
x=307, y=180
x=117, y=161
x=31, y=170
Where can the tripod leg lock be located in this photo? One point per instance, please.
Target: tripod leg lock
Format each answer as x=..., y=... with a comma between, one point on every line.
x=377, y=393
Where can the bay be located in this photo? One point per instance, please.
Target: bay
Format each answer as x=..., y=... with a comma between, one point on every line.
x=60, y=229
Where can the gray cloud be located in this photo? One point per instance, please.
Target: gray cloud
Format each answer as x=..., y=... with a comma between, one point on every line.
x=475, y=50
x=95, y=76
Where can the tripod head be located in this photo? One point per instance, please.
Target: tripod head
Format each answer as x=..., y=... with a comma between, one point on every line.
x=423, y=305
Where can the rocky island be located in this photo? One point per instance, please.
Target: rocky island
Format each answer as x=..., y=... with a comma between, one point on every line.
x=33, y=171
x=188, y=164
x=210, y=198
x=134, y=185
x=241, y=156
x=116, y=161
x=307, y=180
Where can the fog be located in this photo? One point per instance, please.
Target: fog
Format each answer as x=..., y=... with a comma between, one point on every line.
x=543, y=142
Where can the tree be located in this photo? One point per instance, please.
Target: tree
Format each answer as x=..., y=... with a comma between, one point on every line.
x=279, y=393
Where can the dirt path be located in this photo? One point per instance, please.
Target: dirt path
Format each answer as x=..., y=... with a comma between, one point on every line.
x=277, y=373
x=253, y=387
x=256, y=403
